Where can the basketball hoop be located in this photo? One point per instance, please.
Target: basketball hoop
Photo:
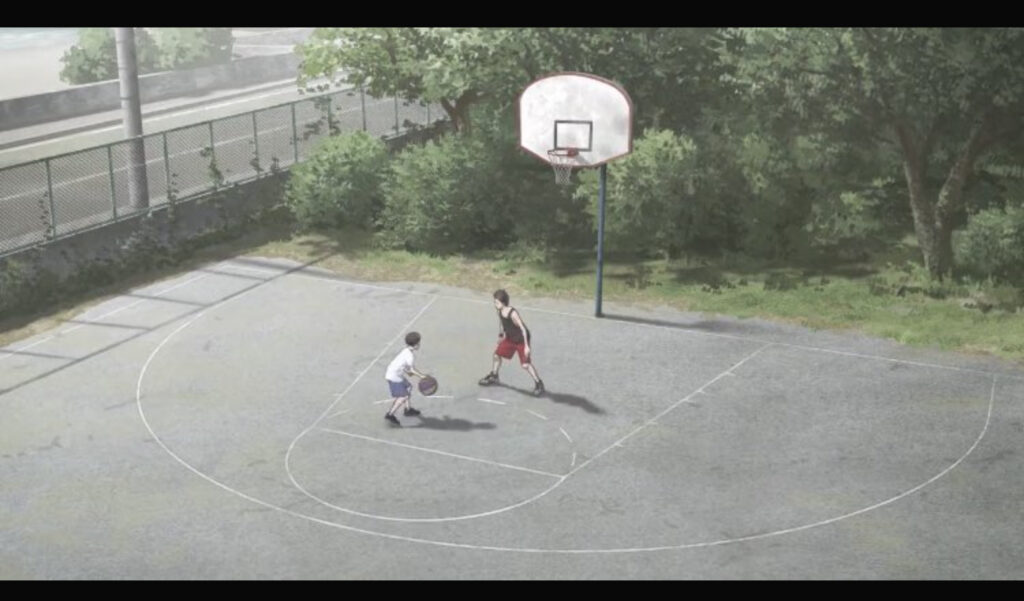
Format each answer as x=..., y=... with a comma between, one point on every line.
x=563, y=161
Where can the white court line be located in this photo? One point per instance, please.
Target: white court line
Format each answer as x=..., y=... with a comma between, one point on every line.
x=445, y=453
x=287, y=459
x=439, y=396
x=426, y=397
x=252, y=269
x=300, y=273
x=537, y=414
x=618, y=443
x=96, y=319
x=341, y=395
x=573, y=459
x=338, y=413
x=13, y=352
x=490, y=401
x=92, y=320
x=564, y=433
x=447, y=544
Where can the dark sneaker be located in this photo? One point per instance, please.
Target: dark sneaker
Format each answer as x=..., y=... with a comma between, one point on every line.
x=411, y=411
x=491, y=378
x=538, y=389
x=394, y=420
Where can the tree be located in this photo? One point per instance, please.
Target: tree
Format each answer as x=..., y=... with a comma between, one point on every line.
x=94, y=57
x=456, y=67
x=462, y=67
x=943, y=98
x=191, y=47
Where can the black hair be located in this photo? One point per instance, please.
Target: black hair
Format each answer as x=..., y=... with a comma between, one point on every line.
x=412, y=338
x=502, y=296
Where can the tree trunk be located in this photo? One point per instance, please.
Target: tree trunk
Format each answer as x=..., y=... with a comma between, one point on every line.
x=950, y=201
x=951, y=195
x=914, y=169
x=462, y=109
x=459, y=112
x=453, y=116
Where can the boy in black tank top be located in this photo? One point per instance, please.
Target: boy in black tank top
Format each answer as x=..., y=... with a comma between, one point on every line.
x=514, y=337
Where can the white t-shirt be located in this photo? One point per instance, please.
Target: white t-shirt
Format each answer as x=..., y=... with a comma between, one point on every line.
x=399, y=365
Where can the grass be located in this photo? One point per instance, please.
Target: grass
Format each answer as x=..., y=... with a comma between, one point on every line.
x=859, y=297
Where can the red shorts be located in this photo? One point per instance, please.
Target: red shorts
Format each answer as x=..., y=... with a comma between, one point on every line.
x=507, y=348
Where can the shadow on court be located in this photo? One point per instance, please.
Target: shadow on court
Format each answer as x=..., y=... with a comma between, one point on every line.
x=561, y=398
x=706, y=326
x=451, y=423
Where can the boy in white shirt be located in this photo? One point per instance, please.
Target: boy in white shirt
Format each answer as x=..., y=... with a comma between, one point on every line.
x=398, y=386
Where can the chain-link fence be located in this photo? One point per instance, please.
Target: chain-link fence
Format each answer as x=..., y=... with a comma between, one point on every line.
x=54, y=197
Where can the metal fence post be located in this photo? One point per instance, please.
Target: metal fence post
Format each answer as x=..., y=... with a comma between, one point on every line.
x=49, y=194
x=256, y=143
x=329, y=121
x=362, y=105
x=113, y=192
x=213, y=145
x=167, y=169
x=397, y=130
x=295, y=134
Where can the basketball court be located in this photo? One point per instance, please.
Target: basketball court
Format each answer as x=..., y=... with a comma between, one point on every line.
x=255, y=388
x=228, y=423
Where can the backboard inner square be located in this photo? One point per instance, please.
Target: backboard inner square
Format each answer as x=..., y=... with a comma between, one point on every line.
x=574, y=134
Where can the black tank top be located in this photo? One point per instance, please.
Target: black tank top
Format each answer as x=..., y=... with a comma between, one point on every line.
x=512, y=331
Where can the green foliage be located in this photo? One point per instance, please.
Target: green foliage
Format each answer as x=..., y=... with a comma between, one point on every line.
x=192, y=47
x=94, y=57
x=845, y=224
x=941, y=98
x=456, y=67
x=443, y=197
x=651, y=203
x=340, y=183
x=22, y=285
x=992, y=245
x=460, y=67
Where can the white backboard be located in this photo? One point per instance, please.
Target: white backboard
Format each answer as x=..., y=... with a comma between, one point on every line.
x=576, y=110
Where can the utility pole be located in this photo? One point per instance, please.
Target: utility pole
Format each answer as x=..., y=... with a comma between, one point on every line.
x=128, y=74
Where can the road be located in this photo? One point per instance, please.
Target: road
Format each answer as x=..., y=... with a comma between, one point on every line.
x=90, y=186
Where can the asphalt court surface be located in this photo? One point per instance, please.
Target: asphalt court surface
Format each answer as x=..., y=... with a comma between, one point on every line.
x=232, y=418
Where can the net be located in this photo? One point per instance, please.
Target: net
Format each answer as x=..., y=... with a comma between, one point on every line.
x=563, y=160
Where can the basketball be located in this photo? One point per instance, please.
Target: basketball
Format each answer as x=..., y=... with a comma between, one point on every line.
x=428, y=386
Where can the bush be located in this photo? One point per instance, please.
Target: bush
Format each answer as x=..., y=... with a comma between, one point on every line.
x=18, y=286
x=94, y=57
x=651, y=203
x=843, y=225
x=545, y=216
x=340, y=183
x=191, y=47
x=992, y=245
x=445, y=197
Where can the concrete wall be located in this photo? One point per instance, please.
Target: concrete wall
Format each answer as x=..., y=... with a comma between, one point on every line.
x=106, y=96
x=112, y=242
